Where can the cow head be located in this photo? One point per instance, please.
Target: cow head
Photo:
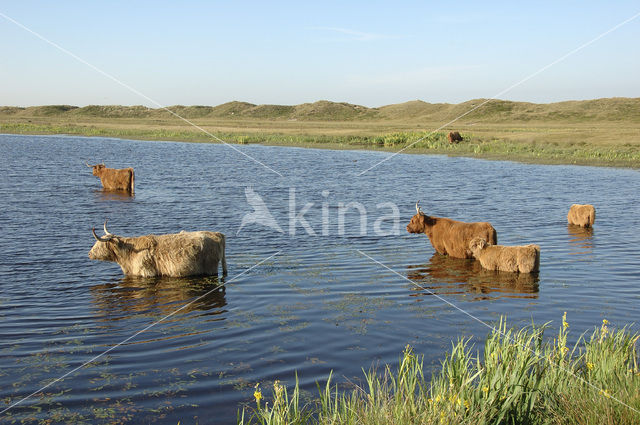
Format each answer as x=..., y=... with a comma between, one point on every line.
x=419, y=222
x=105, y=247
x=476, y=245
x=97, y=169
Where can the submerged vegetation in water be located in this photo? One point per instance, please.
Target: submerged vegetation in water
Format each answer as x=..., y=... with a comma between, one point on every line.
x=521, y=378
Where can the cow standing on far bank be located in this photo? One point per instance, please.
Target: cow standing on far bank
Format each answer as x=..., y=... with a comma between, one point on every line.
x=114, y=179
x=454, y=137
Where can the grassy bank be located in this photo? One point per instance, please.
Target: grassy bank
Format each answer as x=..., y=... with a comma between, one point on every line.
x=603, y=132
x=521, y=378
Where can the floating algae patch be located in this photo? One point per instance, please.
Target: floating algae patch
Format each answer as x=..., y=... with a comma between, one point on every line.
x=356, y=311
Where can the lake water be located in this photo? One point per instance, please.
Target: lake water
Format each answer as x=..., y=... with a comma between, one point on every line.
x=293, y=301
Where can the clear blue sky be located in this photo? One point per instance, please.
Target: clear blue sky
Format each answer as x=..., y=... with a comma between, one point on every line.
x=365, y=52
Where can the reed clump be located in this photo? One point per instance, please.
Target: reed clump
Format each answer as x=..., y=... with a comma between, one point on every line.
x=521, y=377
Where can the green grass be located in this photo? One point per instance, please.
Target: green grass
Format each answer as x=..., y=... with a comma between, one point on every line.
x=595, y=132
x=522, y=378
x=477, y=146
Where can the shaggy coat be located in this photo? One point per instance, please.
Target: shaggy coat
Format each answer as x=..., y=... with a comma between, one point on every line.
x=520, y=259
x=176, y=255
x=451, y=237
x=454, y=137
x=582, y=215
x=112, y=179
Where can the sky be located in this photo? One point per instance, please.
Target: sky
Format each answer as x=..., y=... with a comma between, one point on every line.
x=371, y=53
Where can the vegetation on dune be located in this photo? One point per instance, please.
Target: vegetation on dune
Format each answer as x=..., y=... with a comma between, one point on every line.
x=521, y=378
x=50, y=110
x=494, y=110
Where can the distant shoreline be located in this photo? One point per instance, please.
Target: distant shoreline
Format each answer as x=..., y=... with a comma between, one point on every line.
x=582, y=158
x=601, y=132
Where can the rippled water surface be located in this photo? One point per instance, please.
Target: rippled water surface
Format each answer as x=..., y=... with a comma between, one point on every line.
x=339, y=300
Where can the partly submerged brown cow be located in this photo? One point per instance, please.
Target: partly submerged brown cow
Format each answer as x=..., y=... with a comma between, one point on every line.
x=114, y=179
x=176, y=255
x=451, y=237
x=582, y=215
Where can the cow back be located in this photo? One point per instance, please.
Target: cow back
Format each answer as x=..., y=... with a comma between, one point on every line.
x=188, y=253
x=451, y=237
x=582, y=215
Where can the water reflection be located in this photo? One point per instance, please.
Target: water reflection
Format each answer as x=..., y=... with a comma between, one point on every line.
x=131, y=296
x=445, y=275
x=113, y=195
x=580, y=239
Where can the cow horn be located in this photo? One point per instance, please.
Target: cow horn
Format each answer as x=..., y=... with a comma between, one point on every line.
x=418, y=209
x=98, y=238
x=90, y=166
x=106, y=232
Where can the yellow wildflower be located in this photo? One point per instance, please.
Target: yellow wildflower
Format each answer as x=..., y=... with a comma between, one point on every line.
x=257, y=393
x=565, y=324
x=430, y=400
x=467, y=405
x=605, y=322
x=485, y=390
x=590, y=366
x=605, y=393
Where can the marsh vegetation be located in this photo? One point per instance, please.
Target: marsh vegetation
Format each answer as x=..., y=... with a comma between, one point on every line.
x=595, y=132
x=518, y=377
